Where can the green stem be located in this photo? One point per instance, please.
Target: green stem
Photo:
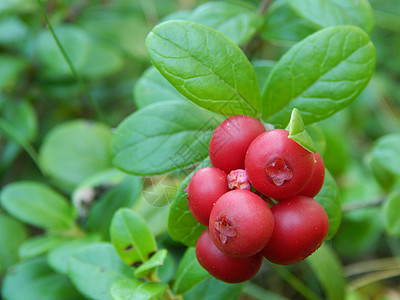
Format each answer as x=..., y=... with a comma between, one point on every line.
x=10, y=131
x=71, y=66
x=296, y=284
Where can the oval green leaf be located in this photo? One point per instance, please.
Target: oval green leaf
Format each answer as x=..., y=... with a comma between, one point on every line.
x=319, y=76
x=38, y=205
x=95, y=268
x=205, y=66
x=298, y=133
x=214, y=289
x=131, y=237
x=34, y=279
x=329, y=198
x=237, y=21
x=75, y=150
x=326, y=265
x=189, y=273
x=326, y=13
x=386, y=151
x=182, y=226
x=163, y=137
x=131, y=289
x=390, y=214
x=39, y=245
x=149, y=266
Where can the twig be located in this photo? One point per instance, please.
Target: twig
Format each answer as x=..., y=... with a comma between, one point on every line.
x=358, y=205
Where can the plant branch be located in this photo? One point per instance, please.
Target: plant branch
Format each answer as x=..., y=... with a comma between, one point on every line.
x=359, y=205
x=264, y=7
x=372, y=277
x=71, y=66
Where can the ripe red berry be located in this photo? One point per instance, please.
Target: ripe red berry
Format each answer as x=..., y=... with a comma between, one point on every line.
x=241, y=223
x=317, y=179
x=230, y=140
x=277, y=166
x=204, y=189
x=223, y=267
x=300, y=227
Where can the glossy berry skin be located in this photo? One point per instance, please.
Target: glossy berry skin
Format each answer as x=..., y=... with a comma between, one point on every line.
x=230, y=140
x=241, y=223
x=223, y=267
x=204, y=189
x=277, y=166
x=301, y=225
x=317, y=179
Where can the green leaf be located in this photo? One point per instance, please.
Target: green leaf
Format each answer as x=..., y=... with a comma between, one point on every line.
x=390, y=214
x=39, y=245
x=38, y=205
x=10, y=67
x=283, y=24
x=326, y=13
x=320, y=75
x=326, y=265
x=34, y=279
x=152, y=87
x=386, y=152
x=298, y=133
x=217, y=77
x=189, y=273
x=213, y=289
x=155, y=261
x=163, y=137
x=329, y=198
x=95, y=268
x=12, y=30
x=58, y=257
x=238, y=21
x=124, y=194
x=182, y=226
x=131, y=237
x=128, y=289
x=12, y=234
x=75, y=150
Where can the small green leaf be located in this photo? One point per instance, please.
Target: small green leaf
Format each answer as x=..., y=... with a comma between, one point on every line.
x=213, y=289
x=38, y=205
x=163, y=137
x=58, y=257
x=95, y=268
x=155, y=261
x=131, y=289
x=10, y=67
x=182, y=226
x=34, y=279
x=319, y=76
x=326, y=265
x=298, y=133
x=39, y=245
x=329, y=198
x=12, y=234
x=217, y=77
x=152, y=87
x=189, y=273
x=131, y=237
x=238, y=21
x=390, y=213
x=12, y=30
x=326, y=13
x=75, y=150
x=386, y=151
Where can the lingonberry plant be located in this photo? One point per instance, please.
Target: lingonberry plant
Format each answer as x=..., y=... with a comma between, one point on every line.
x=243, y=169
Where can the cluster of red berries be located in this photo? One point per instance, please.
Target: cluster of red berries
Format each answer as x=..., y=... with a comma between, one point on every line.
x=251, y=166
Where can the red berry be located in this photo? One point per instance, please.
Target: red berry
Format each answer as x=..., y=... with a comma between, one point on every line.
x=204, y=189
x=277, y=166
x=230, y=140
x=223, y=267
x=317, y=179
x=241, y=223
x=300, y=227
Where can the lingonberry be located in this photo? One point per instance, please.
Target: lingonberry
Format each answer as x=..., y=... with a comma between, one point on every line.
x=300, y=227
x=241, y=223
x=223, y=267
x=317, y=179
x=277, y=166
x=204, y=189
x=230, y=140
